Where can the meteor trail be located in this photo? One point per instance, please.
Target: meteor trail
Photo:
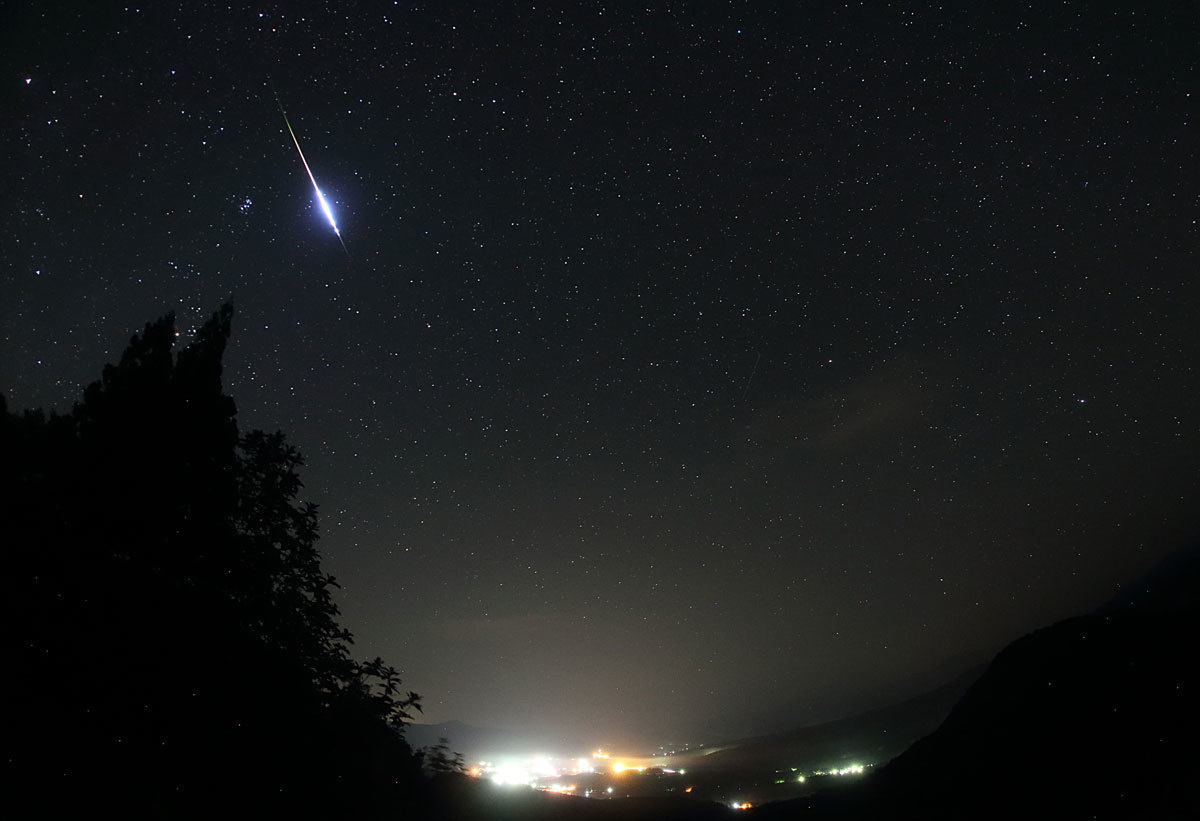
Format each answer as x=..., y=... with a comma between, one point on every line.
x=320, y=197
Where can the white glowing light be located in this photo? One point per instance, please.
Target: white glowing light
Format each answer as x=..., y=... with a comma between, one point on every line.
x=549, y=774
x=511, y=774
x=328, y=211
x=542, y=766
x=853, y=769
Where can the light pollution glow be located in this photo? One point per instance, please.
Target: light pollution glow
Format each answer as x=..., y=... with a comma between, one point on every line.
x=541, y=772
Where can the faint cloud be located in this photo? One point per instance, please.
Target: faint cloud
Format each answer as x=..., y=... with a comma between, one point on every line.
x=886, y=401
x=876, y=405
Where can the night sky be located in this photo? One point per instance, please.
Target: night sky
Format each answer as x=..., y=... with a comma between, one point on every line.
x=690, y=369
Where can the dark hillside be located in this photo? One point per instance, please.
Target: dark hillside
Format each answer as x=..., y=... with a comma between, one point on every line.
x=1094, y=717
x=872, y=737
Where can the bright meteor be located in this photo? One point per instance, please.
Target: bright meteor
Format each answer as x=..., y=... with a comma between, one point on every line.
x=320, y=197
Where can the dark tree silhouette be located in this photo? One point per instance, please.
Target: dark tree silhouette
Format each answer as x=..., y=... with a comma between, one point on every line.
x=170, y=634
x=439, y=759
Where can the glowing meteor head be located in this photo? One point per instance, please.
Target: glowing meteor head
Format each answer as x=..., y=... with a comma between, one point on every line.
x=328, y=211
